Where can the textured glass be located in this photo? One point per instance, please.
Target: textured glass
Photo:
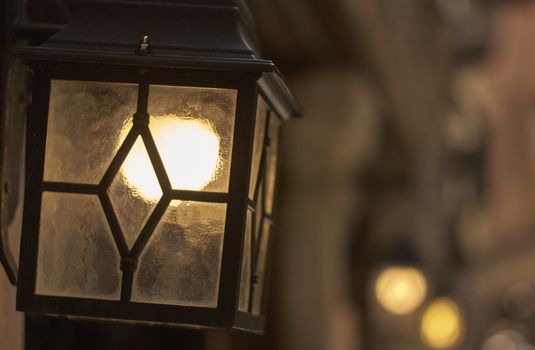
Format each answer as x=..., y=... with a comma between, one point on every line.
x=245, y=284
x=134, y=192
x=263, y=250
x=181, y=263
x=271, y=173
x=84, y=123
x=77, y=255
x=258, y=145
x=193, y=129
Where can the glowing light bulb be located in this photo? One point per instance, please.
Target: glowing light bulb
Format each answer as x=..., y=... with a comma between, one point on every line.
x=441, y=324
x=400, y=290
x=189, y=149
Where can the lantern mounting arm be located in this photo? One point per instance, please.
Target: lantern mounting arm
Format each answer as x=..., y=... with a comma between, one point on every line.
x=7, y=260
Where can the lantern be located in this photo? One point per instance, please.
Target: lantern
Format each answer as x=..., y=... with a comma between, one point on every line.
x=400, y=286
x=441, y=325
x=400, y=289
x=151, y=165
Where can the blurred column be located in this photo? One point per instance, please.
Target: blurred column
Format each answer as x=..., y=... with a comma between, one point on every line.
x=322, y=153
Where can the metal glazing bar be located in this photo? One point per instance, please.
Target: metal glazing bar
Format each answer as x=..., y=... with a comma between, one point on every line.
x=119, y=158
x=64, y=187
x=113, y=223
x=128, y=267
x=142, y=116
x=214, y=197
x=260, y=228
x=126, y=285
x=149, y=227
x=251, y=205
x=269, y=219
x=156, y=160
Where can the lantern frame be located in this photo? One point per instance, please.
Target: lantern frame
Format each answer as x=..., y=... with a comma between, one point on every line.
x=249, y=76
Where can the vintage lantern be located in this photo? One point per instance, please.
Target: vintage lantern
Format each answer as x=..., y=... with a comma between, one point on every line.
x=441, y=325
x=151, y=165
x=400, y=285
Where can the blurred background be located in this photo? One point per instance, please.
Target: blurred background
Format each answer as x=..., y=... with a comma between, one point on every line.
x=407, y=201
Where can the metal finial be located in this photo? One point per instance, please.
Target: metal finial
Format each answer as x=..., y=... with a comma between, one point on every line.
x=144, y=46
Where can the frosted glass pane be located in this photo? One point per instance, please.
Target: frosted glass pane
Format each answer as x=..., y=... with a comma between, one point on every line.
x=260, y=126
x=134, y=192
x=271, y=175
x=84, y=124
x=245, y=284
x=193, y=129
x=258, y=293
x=77, y=255
x=181, y=264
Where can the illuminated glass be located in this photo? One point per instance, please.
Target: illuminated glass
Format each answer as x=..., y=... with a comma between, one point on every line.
x=181, y=264
x=245, y=285
x=258, y=146
x=272, y=159
x=94, y=144
x=77, y=256
x=193, y=129
x=134, y=192
x=85, y=120
x=261, y=273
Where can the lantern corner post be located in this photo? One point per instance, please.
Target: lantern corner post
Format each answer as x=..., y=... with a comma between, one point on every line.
x=13, y=97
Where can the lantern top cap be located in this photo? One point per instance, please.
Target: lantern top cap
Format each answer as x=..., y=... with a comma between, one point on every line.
x=191, y=34
x=179, y=29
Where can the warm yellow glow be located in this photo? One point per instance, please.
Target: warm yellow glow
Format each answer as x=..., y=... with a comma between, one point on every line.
x=400, y=290
x=189, y=149
x=441, y=324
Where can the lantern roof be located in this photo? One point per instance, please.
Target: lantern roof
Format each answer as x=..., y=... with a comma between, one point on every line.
x=189, y=34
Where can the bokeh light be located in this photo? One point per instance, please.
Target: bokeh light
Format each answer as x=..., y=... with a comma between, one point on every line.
x=400, y=290
x=507, y=339
x=441, y=324
x=519, y=301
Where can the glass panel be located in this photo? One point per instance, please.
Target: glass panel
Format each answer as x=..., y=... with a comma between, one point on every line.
x=181, y=264
x=245, y=284
x=77, y=255
x=84, y=123
x=134, y=192
x=260, y=126
x=261, y=270
x=271, y=174
x=193, y=129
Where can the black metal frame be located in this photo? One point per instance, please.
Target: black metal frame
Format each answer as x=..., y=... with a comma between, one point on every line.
x=204, y=43
x=225, y=315
x=252, y=206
